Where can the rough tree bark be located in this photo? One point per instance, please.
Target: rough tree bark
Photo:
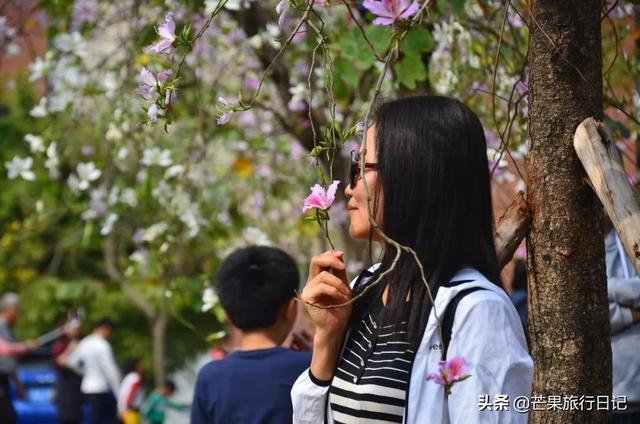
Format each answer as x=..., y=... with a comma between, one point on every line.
x=569, y=322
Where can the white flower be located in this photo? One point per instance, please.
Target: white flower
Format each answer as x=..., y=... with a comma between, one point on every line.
x=113, y=133
x=173, y=171
x=19, y=167
x=155, y=156
x=122, y=153
x=141, y=256
x=40, y=110
x=256, y=236
x=154, y=231
x=236, y=4
x=129, y=197
x=13, y=49
x=223, y=102
x=36, y=144
x=107, y=225
x=39, y=68
x=52, y=161
x=152, y=112
x=110, y=84
x=70, y=43
x=209, y=299
x=74, y=183
x=87, y=172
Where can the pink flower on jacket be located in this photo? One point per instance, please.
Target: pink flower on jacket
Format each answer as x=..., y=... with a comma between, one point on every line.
x=319, y=198
x=390, y=11
x=167, y=33
x=450, y=372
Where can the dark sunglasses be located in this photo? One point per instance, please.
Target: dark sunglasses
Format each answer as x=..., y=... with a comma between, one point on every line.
x=355, y=169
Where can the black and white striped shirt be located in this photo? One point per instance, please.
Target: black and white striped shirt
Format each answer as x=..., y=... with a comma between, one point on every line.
x=373, y=373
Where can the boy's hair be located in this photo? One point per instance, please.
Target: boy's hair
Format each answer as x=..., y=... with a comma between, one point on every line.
x=105, y=322
x=254, y=283
x=169, y=385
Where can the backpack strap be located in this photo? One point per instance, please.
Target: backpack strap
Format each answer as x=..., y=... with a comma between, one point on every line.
x=449, y=316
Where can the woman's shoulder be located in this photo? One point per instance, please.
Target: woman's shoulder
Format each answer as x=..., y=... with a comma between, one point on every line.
x=475, y=294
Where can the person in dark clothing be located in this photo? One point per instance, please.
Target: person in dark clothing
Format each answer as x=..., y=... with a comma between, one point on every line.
x=68, y=398
x=9, y=350
x=256, y=287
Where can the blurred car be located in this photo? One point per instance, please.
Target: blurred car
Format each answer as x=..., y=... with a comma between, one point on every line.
x=37, y=374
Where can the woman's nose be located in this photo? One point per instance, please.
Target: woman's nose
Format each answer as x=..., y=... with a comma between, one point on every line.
x=348, y=191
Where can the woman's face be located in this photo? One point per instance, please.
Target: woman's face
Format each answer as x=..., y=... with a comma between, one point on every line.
x=359, y=225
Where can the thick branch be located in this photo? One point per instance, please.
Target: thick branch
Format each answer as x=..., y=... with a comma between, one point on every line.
x=603, y=164
x=114, y=275
x=512, y=228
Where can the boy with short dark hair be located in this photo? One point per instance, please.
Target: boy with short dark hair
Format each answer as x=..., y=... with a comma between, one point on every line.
x=256, y=287
x=154, y=409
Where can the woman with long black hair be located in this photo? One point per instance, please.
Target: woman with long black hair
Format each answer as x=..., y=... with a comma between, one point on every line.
x=427, y=174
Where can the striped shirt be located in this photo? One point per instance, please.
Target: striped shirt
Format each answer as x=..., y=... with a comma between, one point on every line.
x=372, y=377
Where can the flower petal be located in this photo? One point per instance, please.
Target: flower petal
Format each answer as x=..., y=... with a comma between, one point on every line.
x=383, y=21
x=331, y=192
x=409, y=11
x=377, y=8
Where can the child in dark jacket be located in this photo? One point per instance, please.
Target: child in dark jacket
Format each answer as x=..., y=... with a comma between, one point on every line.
x=256, y=287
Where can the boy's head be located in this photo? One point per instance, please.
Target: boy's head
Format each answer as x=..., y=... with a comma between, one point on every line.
x=256, y=287
x=104, y=327
x=167, y=388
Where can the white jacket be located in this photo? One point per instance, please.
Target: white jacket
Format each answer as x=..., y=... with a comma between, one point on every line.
x=487, y=332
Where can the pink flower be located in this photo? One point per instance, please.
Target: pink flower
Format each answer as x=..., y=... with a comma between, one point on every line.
x=319, y=198
x=224, y=117
x=152, y=113
x=149, y=82
x=390, y=11
x=450, y=372
x=167, y=33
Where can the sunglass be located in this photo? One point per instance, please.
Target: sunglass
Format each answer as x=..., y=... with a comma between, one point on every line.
x=355, y=169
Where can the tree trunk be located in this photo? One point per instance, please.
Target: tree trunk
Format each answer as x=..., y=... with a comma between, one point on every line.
x=158, y=327
x=569, y=322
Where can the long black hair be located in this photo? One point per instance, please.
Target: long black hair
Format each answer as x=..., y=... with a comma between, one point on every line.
x=436, y=199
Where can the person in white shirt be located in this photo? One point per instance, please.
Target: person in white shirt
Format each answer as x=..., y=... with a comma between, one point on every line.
x=131, y=393
x=93, y=358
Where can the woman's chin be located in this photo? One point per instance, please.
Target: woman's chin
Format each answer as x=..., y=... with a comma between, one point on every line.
x=357, y=233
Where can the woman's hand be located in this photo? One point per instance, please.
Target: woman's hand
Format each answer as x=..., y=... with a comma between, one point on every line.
x=327, y=285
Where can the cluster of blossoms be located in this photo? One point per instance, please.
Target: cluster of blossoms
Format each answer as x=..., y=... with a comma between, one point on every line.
x=8, y=38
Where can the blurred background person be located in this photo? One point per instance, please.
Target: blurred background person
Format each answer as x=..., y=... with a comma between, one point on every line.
x=9, y=350
x=131, y=393
x=68, y=398
x=101, y=377
x=154, y=410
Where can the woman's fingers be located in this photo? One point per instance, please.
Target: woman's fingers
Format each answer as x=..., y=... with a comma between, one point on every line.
x=320, y=293
x=325, y=277
x=331, y=259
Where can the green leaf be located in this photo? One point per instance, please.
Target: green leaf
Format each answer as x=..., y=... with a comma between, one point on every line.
x=410, y=70
x=380, y=37
x=354, y=47
x=416, y=41
x=457, y=5
x=345, y=71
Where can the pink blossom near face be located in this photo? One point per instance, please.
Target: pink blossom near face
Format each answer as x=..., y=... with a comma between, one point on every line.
x=319, y=198
x=390, y=11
